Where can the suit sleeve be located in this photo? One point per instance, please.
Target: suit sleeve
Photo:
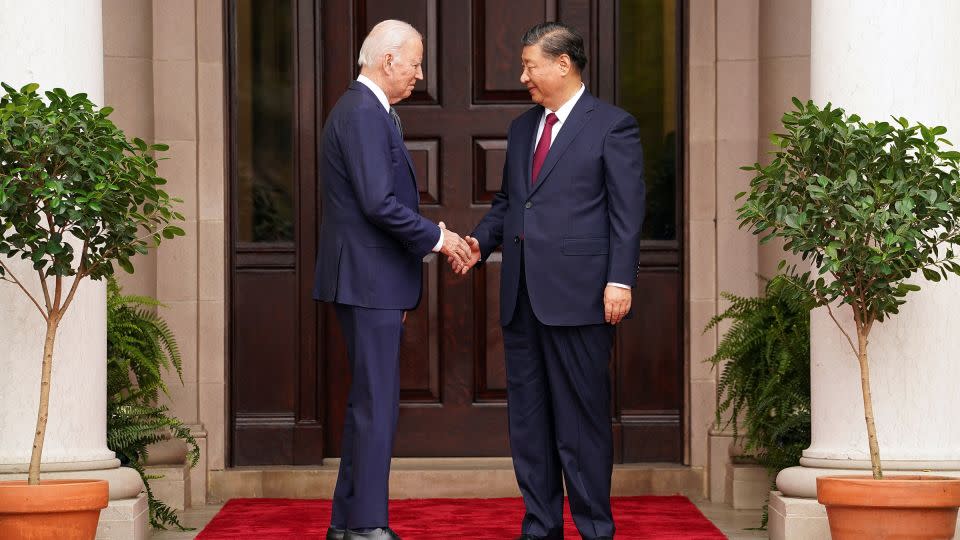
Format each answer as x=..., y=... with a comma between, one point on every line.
x=489, y=232
x=366, y=146
x=623, y=171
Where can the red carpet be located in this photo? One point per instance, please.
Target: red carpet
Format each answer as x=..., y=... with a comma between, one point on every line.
x=648, y=518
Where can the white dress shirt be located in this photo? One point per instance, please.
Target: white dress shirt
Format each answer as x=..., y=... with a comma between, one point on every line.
x=563, y=112
x=382, y=96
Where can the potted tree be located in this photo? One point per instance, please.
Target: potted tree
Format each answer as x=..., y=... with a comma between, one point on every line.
x=868, y=205
x=76, y=198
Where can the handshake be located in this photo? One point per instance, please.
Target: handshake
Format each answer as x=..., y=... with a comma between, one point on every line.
x=462, y=252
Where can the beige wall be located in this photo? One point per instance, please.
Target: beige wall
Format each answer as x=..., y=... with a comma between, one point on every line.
x=722, y=116
x=701, y=225
x=746, y=59
x=128, y=87
x=164, y=75
x=784, y=73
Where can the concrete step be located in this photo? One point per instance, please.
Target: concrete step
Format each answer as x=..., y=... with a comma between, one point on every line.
x=418, y=478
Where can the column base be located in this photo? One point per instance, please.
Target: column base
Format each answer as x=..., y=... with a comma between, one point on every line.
x=125, y=519
x=795, y=513
x=125, y=483
x=720, y=445
x=802, y=481
x=796, y=518
x=747, y=486
x=173, y=485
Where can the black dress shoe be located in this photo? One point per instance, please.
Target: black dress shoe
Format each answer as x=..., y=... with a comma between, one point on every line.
x=376, y=534
x=334, y=533
x=529, y=537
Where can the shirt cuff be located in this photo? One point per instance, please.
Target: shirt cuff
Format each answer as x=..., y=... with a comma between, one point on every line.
x=436, y=248
x=618, y=285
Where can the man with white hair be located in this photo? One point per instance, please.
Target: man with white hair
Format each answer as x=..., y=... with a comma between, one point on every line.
x=372, y=243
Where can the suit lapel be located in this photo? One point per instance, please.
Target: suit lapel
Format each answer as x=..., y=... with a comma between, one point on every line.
x=568, y=132
x=368, y=94
x=406, y=154
x=527, y=133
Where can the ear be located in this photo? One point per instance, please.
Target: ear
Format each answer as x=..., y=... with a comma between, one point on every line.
x=565, y=64
x=388, y=62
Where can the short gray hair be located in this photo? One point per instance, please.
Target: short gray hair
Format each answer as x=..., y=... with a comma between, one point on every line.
x=385, y=38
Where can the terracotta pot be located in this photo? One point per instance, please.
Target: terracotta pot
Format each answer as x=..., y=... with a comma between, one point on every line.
x=901, y=507
x=56, y=509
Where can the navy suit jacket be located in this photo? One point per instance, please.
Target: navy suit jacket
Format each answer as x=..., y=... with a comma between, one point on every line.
x=372, y=237
x=579, y=222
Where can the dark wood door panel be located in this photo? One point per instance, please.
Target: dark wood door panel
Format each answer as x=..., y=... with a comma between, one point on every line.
x=289, y=370
x=264, y=369
x=424, y=16
x=648, y=377
x=647, y=345
x=490, y=375
x=497, y=28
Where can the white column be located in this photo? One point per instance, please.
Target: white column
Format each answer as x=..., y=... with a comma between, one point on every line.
x=54, y=44
x=877, y=59
x=58, y=43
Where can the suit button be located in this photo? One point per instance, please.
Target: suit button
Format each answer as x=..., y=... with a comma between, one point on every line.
x=516, y=239
x=528, y=205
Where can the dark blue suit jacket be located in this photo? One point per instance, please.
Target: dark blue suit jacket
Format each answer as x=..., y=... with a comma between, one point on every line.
x=372, y=237
x=580, y=221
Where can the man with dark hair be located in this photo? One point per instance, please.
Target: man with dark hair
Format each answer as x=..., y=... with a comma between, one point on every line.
x=568, y=216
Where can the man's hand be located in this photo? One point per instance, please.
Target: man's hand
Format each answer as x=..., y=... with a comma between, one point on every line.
x=454, y=247
x=462, y=268
x=616, y=303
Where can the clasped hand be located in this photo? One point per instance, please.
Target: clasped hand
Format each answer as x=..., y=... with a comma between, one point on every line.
x=462, y=253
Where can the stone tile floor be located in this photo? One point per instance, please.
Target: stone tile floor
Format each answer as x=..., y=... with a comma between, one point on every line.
x=733, y=523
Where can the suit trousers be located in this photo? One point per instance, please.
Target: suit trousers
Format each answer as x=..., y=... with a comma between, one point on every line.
x=373, y=346
x=558, y=404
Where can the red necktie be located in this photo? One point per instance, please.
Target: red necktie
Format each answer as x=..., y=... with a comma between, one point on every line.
x=543, y=146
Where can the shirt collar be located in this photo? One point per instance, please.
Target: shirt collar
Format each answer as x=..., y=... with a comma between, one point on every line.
x=377, y=91
x=564, y=111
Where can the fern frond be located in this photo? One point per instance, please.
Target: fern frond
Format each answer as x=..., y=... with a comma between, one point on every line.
x=764, y=383
x=140, y=348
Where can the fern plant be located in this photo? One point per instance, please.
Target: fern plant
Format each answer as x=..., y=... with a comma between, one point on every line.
x=140, y=347
x=765, y=383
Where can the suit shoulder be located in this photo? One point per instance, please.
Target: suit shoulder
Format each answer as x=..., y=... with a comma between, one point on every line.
x=529, y=115
x=351, y=109
x=612, y=112
x=613, y=118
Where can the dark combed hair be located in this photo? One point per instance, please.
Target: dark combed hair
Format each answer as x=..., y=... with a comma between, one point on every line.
x=555, y=39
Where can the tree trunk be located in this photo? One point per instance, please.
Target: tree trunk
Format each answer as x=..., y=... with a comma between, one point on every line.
x=52, y=323
x=868, y=404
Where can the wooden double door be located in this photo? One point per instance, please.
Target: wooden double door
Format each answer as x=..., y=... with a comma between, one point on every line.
x=290, y=62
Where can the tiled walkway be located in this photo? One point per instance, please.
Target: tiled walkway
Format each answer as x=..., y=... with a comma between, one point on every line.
x=733, y=523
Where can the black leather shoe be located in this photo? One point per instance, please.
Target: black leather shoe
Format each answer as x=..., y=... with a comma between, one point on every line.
x=376, y=534
x=334, y=533
x=529, y=537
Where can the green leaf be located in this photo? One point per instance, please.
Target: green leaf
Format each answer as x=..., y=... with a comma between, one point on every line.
x=930, y=275
x=74, y=171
